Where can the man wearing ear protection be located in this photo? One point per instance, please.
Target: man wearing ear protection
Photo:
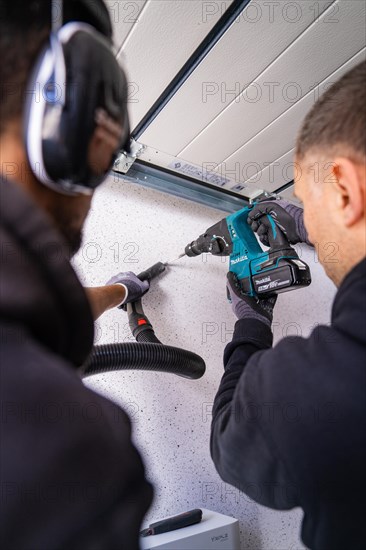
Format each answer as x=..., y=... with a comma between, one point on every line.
x=70, y=475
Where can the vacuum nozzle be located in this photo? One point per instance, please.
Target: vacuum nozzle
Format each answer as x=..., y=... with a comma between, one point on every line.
x=152, y=272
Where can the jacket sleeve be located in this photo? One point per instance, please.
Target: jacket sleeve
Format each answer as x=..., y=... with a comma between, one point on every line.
x=242, y=453
x=117, y=526
x=73, y=452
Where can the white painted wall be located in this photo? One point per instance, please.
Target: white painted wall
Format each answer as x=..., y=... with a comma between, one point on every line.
x=130, y=228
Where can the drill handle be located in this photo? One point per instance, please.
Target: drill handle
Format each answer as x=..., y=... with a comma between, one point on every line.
x=276, y=237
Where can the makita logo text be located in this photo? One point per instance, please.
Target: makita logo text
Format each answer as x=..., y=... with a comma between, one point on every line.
x=261, y=281
x=238, y=260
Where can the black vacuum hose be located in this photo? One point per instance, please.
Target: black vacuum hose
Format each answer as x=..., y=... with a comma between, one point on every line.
x=139, y=356
x=148, y=353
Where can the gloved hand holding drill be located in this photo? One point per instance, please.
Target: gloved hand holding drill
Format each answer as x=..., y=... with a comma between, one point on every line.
x=289, y=219
x=246, y=307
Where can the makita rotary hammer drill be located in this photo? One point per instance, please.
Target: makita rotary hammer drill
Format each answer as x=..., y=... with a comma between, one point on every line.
x=259, y=273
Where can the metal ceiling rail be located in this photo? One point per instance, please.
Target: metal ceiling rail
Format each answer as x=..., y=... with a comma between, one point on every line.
x=181, y=186
x=284, y=187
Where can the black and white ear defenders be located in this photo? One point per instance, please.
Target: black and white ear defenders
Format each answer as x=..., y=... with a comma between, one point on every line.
x=75, y=76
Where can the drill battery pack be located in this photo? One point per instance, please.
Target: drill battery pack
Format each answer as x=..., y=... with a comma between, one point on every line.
x=290, y=273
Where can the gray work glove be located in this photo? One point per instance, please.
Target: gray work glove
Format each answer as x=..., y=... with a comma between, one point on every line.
x=246, y=307
x=134, y=288
x=288, y=217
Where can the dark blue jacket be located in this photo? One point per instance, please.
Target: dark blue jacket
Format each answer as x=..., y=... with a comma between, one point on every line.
x=70, y=475
x=288, y=423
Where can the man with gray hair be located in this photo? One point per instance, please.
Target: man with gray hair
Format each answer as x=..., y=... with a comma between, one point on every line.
x=317, y=460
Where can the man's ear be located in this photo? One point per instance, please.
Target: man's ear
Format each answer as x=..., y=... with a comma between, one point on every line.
x=349, y=183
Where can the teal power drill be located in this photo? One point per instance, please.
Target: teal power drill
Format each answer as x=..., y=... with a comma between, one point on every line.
x=260, y=273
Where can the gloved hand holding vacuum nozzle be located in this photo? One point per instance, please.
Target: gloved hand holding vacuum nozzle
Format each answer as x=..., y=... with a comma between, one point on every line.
x=288, y=217
x=134, y=287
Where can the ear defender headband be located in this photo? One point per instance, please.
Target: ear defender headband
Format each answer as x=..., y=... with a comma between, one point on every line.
x=76, y=87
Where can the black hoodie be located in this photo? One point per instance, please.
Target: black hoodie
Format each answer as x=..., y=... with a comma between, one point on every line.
x=288, y=423
x=70, y=476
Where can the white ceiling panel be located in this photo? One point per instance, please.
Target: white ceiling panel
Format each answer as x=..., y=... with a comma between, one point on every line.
x=124, y=14
x=158, y=45
x=275, y=175
x=335, y=37
x=250, y=45
x=273, y=141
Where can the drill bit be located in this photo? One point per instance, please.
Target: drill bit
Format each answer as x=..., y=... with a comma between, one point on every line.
x=176, y=259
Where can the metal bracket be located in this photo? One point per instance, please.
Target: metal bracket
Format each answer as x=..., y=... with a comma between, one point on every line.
x=126, y=160
x=263, y=195
x=272, y=196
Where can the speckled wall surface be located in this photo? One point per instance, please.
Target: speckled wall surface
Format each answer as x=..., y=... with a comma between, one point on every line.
x=131, y=228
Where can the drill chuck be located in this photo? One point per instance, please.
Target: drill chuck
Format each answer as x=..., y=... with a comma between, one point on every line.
x=192, y=250
x=216, y=240
x=208, y=243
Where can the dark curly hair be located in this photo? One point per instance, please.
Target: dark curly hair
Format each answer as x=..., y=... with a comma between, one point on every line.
x=24, y=30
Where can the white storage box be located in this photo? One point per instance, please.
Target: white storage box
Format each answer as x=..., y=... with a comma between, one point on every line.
x=215, y=531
